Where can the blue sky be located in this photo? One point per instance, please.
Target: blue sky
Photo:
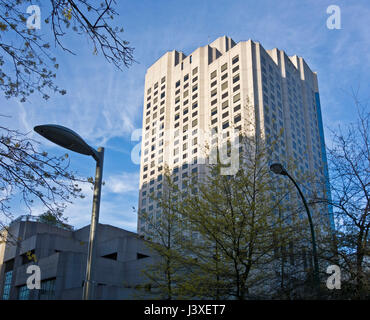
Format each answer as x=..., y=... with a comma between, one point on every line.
x=104, y=105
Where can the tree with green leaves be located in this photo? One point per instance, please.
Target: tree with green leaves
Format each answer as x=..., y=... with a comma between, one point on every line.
x=237, y=217
x=231, y=228
x=165, y=233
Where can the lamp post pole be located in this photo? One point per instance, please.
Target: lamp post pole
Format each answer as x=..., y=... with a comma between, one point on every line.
x=88, y=289
x=279, y=169
x=70, y=140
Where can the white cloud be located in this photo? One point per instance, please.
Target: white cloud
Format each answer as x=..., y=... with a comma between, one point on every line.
x=126, y=182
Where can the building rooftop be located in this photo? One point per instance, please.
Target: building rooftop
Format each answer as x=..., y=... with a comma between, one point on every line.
x=41, y=219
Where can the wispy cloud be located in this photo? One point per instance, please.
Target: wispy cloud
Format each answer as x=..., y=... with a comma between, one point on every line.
x=126, y=182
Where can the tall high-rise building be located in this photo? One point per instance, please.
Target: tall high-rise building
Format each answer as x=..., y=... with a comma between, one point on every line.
x=223, y=85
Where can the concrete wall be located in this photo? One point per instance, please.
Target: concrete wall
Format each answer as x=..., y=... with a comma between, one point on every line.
x=61, y=255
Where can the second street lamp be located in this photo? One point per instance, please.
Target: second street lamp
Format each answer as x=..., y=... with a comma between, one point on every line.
x=278, y=168
x=70, y=140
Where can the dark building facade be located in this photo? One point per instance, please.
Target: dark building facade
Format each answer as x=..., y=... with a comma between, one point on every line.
x=61, y=254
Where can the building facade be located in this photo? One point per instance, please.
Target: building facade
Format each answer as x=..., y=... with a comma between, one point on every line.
x=221, y=86
x=61, y=255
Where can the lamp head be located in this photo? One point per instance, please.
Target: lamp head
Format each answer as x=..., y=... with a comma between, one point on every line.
x=65, y=138
x=278, y=169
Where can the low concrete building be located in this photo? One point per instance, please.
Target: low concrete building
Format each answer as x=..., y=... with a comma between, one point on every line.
x=61, y=254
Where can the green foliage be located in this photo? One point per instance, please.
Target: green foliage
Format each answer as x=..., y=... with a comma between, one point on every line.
x=221, y=236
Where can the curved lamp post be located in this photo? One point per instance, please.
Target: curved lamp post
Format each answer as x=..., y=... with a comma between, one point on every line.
x=278, y=168
x=70, y=140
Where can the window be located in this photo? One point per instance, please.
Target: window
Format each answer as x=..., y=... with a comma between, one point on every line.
x=163, y=79
x=236, y=78
x=223, y=67
x=213, y=93
x=237, y=118
x=213, y=74
x=23, y=293
x=195, y=70
x=224, y=86
x=225, y=125
x=225, y=114
x=224, y=76
x=235, y=59
x=236, y=69
x=213, y=102
x=7, y=284
x=236, y=98
x=213, y=111
x=237, y=108
x=177, y=84
x=186, y=77
x=236, y=88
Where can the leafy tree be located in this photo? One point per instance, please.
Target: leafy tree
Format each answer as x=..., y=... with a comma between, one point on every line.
x=237, y=217
x=230, y=229
x=164, y=232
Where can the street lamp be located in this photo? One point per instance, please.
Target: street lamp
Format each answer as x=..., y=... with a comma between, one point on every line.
x=278, y=168
x=70, y=140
